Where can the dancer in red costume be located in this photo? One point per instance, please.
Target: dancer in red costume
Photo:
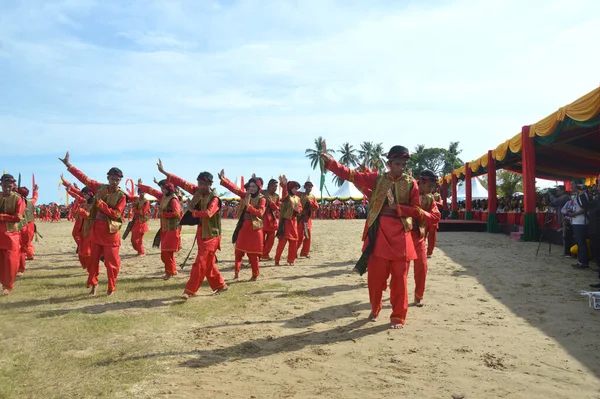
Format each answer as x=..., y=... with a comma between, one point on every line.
x=388, y=247
x=270, y=220
x=106, y=214
x=12, y=209
x=204, y=205
x=288, y=225
x=248, y=235
x=170, y=214
x=427, y=180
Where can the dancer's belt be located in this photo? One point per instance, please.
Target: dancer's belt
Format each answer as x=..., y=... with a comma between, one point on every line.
x=101, y=216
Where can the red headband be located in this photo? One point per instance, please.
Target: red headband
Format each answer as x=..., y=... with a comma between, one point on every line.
x=401, y=156
x=427, y=178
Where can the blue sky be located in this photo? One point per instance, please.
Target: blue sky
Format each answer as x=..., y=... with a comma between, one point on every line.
x=248, y=85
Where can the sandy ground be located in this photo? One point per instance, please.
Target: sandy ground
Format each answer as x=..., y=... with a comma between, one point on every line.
x=498, y=323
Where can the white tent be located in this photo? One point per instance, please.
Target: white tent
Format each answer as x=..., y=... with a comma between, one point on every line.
x=347, y=191
x=315, y=190
x=229, y=196
x=478, y=192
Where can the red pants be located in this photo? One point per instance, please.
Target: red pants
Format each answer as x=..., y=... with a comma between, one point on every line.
x=379, y=271
x=112, y=262
x=239, y=255
x=30, y=248
x=420, y=270
x=9, y=265
x=269, y=241
x=304, y=243
x=204, y=266
x=85, y=261
x=23, y=248
x=292, y=250
x=76, y=234
x=168, y=258
x=137, y=242
x=431, y=239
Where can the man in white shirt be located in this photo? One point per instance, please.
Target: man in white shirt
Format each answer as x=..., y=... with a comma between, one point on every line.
x=579, y=221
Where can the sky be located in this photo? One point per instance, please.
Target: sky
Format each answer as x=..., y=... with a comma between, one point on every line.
x=247, y=85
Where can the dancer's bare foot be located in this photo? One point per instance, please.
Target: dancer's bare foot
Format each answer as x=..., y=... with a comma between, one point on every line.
x=167, y=276
x=93, y=290
x=266, y=258
x=396, y=325
x=110, y=293
x=19, y=274
x=217, y=292
x=290, y=263
x=5, y=292
x=185, y=296
x=141, y=255
x=253, y=278
x=418, y=303
x=372, y=317
x=276, y=263
x=236, y=276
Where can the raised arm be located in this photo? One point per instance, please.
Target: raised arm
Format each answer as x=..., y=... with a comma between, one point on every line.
x=273, y=205
x=225, y=182
x=79, y=175
x=362, y=180
x=149, y=190
x=34, y=198
x=179, y=182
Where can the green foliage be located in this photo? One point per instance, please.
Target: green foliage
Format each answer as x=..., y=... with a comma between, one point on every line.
x=508, y=183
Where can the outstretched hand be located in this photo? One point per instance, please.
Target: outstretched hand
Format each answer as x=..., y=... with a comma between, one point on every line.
x=160, y=167
x=283, y=180
x=155, y=181
x=221, y=174
x=65, y=160
x=140, y=182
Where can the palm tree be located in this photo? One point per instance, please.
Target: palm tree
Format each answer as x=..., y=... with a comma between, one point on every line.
x=452, y=160
x=315, y=154
x=348, y=158
x=365, y=152
x=377, y=154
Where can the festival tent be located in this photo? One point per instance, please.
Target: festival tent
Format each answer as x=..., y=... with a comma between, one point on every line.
x=478, y=192
x=347, y=191
x=562, y=146
x=315, y=190
x=229, y=196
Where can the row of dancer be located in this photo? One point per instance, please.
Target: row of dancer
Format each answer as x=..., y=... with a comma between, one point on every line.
x=100, y=217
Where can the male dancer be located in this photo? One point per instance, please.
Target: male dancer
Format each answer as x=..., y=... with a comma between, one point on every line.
x=270, y=220
x=388, y=246
x=106, y=213
x=427, y=180
x=141, y=213
x=309, y=204
x=204, y=205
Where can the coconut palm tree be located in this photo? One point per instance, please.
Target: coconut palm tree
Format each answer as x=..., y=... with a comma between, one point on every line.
x=365, y=152
x=377, y=155
x=315, y=154
x=348, y=158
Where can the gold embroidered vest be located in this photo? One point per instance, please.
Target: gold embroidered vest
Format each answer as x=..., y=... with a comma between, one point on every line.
x=257, y=222
x=306, y=210
x=165, y=206
x=288, y=206
x=139, y=204
x=402, y=189
x=8, y=205
x=28, y=210
x=111, y=199
x=270, y=198
x=426, y=204
x=211, y=228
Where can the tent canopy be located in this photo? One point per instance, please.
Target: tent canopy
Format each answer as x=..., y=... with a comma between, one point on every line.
x=566, y=142
x=347, y=191
x=477, y=190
